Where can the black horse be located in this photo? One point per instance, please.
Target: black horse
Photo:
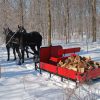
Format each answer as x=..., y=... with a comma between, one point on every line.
x=32, y=39
x=12, y=42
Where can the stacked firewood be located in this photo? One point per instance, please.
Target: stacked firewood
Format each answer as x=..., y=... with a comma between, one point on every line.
x=78, y=63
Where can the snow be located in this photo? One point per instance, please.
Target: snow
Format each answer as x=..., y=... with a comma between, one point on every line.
x=24, y=83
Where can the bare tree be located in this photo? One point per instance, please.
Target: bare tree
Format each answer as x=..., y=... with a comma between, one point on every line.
x=49, y=23
x=21, y=12
x=94, y=19
x=68, y=27
x=5, y=13
x=80, y=17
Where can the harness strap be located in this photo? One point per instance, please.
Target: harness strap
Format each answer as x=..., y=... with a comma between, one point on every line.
x=10, y=39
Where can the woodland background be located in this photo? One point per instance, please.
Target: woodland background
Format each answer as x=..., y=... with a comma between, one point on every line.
x=54, y=19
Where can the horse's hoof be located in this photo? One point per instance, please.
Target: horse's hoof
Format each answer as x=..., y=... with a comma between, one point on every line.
x=22, y=61
x=19, y=63
x=14, y=59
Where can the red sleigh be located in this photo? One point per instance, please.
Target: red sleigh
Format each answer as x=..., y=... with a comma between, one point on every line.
x=50, y=56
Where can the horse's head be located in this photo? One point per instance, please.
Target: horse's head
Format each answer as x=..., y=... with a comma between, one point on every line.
x=21, y=30
x=7, y=31
x=20, y=33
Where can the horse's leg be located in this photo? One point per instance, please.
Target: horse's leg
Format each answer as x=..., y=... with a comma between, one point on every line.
x=35, y=56
x=38, y=52
x=33, y=49
x=14, y=53
x=22, y=51
x=8, y=52
x=38, y=49
x=19, y=55
x=27, y=52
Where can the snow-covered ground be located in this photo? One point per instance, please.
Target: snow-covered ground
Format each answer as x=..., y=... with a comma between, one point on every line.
x=24, y=83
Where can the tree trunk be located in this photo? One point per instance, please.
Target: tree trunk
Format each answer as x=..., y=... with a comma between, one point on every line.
x=49, y=24
x=80, y=30
x=5, y=14
x=68, y=28
x=21, y=13
x=94, y=20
